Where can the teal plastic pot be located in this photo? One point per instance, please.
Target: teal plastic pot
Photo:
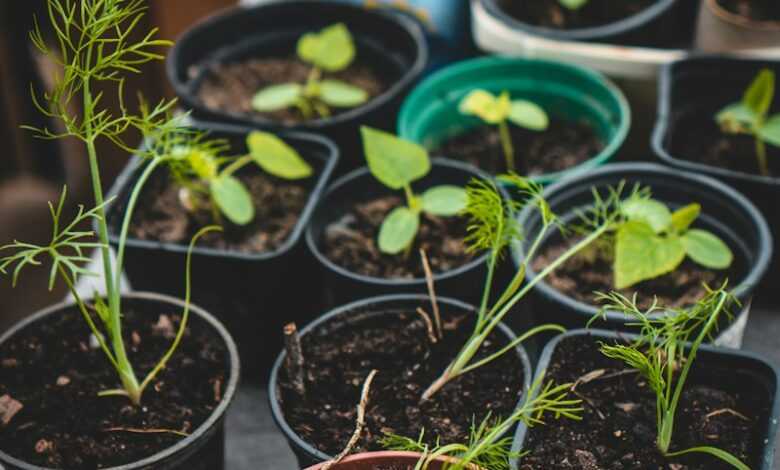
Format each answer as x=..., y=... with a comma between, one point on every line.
x=430, y=114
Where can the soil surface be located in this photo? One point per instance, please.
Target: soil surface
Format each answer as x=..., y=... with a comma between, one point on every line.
x=230, y=87
x=562, y=146
x=278, y=203
x=55, y=373
x=697, y=137
x=397, y=345
x=551, y=14
x=755, y=10
x=351, y=242
x=581, y=277
x=618, y=429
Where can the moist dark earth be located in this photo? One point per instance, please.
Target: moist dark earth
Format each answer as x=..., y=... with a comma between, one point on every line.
x=551, y=14
x=618, y=428
x=338, y=359
x=55, y=373
x=350, y=242
x=756, y=10
x=563, y=145
x=230, y=87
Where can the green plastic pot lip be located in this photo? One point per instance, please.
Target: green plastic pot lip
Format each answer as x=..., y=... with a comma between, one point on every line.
x=467, y=66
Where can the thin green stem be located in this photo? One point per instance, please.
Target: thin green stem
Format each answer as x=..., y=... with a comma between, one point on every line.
x=236, y=165
x=509, y=346
x=410, y=199
x=763, y=166
x=506, y=144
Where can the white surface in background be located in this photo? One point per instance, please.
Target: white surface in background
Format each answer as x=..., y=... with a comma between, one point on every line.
x=88, y=285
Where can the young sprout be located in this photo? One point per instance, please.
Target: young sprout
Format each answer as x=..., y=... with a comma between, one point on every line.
x=493, y=227
x=397, y=163
x=207, y=180
x=487, y=449
x=662, y=355
x=499, y=110
x=751, y=116
x=573, y=5
x=329, y=50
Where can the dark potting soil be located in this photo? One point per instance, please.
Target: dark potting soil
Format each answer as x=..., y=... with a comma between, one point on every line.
x=351, y=242
x=551, y=14
x=755, y=10
x=698, y=138
x=230, y=87
x=339, y=358
x=562, y=146
x=54, y=372
x=278, y=204
x=618, y=428
x=582, y=277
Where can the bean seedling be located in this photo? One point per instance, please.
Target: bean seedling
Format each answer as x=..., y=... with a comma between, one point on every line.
x=397, y=163
x=329, y=50
x=207, y=180
x=499, y=110
x=663, y=357
x=751, y=116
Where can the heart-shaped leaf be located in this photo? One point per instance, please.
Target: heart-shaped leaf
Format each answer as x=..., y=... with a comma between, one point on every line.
x=444, y=200
x=650, y=211
x=641, y=254
x=683, y=217
x=233, y=199
x=276, y=97
x=770, y=131
x=341, y=95
x=330, y=49
x=528, y=115
x=707, y=249
x=759, y=95
x=394, y=161
x=398, y=230
x=276, y=157
x=485, y=106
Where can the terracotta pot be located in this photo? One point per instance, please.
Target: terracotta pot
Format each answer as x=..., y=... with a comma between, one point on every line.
x=370, y=460
x=720, y=30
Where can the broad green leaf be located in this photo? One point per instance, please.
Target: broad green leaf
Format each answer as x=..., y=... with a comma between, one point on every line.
x=233, y=199
x=394, y=161
x=276, y=157
x=487, y=107
x=683, y=217
x=342, y=95
x=641, y=254
x=707, y=249
x=330, y=49
x=398, y=230
x=770, y=131
x=759, y=95
x=736, y=118
x=650, y=211
x=277, y=97
x=573, y=4
x=445, y=200
x=529, y=115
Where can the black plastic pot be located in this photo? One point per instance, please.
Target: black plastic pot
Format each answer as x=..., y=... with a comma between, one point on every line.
x=255, y=294
x=738, y=366
x=703, y=85
x=204, y=448
x=393, y=43
x=666, y=23
x=725, y=212
x=341, y=286
x=352, y=314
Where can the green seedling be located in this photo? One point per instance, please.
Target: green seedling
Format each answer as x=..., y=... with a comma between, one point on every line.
x=573, y=5
x=329, y=50
x=751, y=116
x=95, y=50
x=207, y=180
x=397, y=163
x=500, y=111
x=663, y=356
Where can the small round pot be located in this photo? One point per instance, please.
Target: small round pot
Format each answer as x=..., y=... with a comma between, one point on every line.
x=341, y=286
x=304, y=451
x=371, y=460
x=719, y=30
x=393, y=43
x=649, y=27
x=725, y=212
x=204, y=449
x=430, y=114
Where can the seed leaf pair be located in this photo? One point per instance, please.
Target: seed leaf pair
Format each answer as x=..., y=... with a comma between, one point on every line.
x=397, y=163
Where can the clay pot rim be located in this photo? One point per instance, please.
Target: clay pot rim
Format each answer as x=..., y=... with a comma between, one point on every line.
x=741, y=21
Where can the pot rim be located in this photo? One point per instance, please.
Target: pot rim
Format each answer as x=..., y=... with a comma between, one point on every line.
x=213, y=419
x=378, y=301
x=184, y=90
x=741, y=21
x=391, y=455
